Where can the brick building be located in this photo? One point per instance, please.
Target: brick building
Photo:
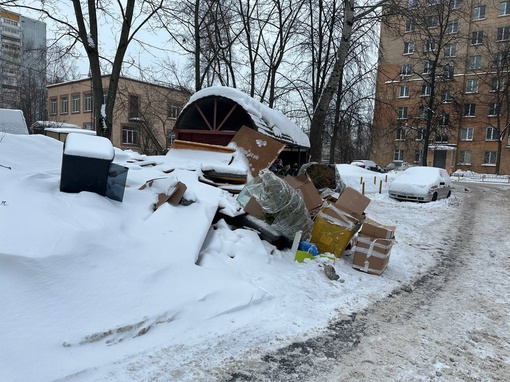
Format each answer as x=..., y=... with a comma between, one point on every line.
x=443, y=85
x=144, y=115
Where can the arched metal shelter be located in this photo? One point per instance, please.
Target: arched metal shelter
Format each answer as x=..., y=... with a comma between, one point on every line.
x=214, y=115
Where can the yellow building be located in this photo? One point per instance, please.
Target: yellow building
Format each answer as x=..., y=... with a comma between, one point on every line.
x=143, y=118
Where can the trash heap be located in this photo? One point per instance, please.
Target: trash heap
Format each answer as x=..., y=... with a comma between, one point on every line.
x=313, y=213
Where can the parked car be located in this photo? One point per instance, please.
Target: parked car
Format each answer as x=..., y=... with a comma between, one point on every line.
x=396, y=165
x=421, y=184
x=367, y=164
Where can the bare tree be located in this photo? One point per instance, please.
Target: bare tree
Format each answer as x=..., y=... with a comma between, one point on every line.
x=129, y=17
x=336, y=75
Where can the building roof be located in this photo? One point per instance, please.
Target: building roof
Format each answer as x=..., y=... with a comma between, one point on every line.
x=264, y=119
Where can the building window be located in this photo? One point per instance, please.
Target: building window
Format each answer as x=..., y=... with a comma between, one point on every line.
x=420, y=134
x=450, y=50
x=425, y=89
x=417, y=156
x=75, y=103
x=448, y=72
x=469, y=109
x=466, y=134
x=441, y=138
x=427, y=67
x=499, y=59
x=53, y=106
x=408, y=47
x=64, y=104
x=503, y=34
x=472, y=86
x=491, y=134
x=409, y=25
x=504, y=8
x=494, y=109
x=465, y=157
x=130, y=135
x=422, y=112
x=476, y=38
x=431, y=21
x=173, y=111
x=87, y=102
x=88, y=126
x=489, y=157
x=404, y=91
x=446, y=96
x=400, y=134
x=475, y=62
x=479, y=12
x=398, y=155
x=134, y=106
x=455, y=4
x=402, y=112
x=407, y=70
x=452, y=26
x=430, y=45
x=496, y=84
x=443, y=119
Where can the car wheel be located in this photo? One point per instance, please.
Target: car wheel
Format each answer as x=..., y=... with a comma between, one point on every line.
x=449, y=194
x=434, y=197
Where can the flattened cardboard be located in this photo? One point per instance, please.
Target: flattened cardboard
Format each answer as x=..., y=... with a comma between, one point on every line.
x=310, y=194
x=173, y=198
x=352, y=202
x=376, y=230
x=260, y=150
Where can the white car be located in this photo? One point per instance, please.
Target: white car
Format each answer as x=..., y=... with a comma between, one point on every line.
x=367, y=164
x=421, y=184
x=396, y=165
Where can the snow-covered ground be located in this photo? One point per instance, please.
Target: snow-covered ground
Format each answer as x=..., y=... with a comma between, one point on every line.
x=92, y=289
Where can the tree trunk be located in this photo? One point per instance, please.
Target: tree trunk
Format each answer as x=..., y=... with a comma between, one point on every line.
x=336, y=77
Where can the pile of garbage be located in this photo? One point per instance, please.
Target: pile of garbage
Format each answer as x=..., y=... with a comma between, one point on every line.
x=313, y=213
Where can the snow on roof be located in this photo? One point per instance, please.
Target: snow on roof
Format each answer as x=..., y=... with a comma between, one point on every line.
x=67, y=130
x=12, y=121
x=89, y=146
x=54, y=124
x=269, y=121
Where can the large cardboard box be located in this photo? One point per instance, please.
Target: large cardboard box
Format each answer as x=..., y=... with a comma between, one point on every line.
x=372, y=254
x=310, y=194
x=333, y=229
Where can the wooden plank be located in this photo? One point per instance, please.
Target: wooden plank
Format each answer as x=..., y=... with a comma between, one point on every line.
x=188, y=145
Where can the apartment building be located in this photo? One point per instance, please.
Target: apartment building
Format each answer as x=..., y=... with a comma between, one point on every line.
x=442, y=90
x=22, y=64
x=144, y=115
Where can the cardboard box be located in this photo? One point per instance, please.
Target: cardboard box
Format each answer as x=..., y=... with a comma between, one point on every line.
x=333, y=229
x=374, y=229
x=372, y=254
x=352, y=202
x=310, y=194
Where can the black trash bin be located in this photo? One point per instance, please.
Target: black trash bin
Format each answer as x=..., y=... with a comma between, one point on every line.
x=86, y=163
